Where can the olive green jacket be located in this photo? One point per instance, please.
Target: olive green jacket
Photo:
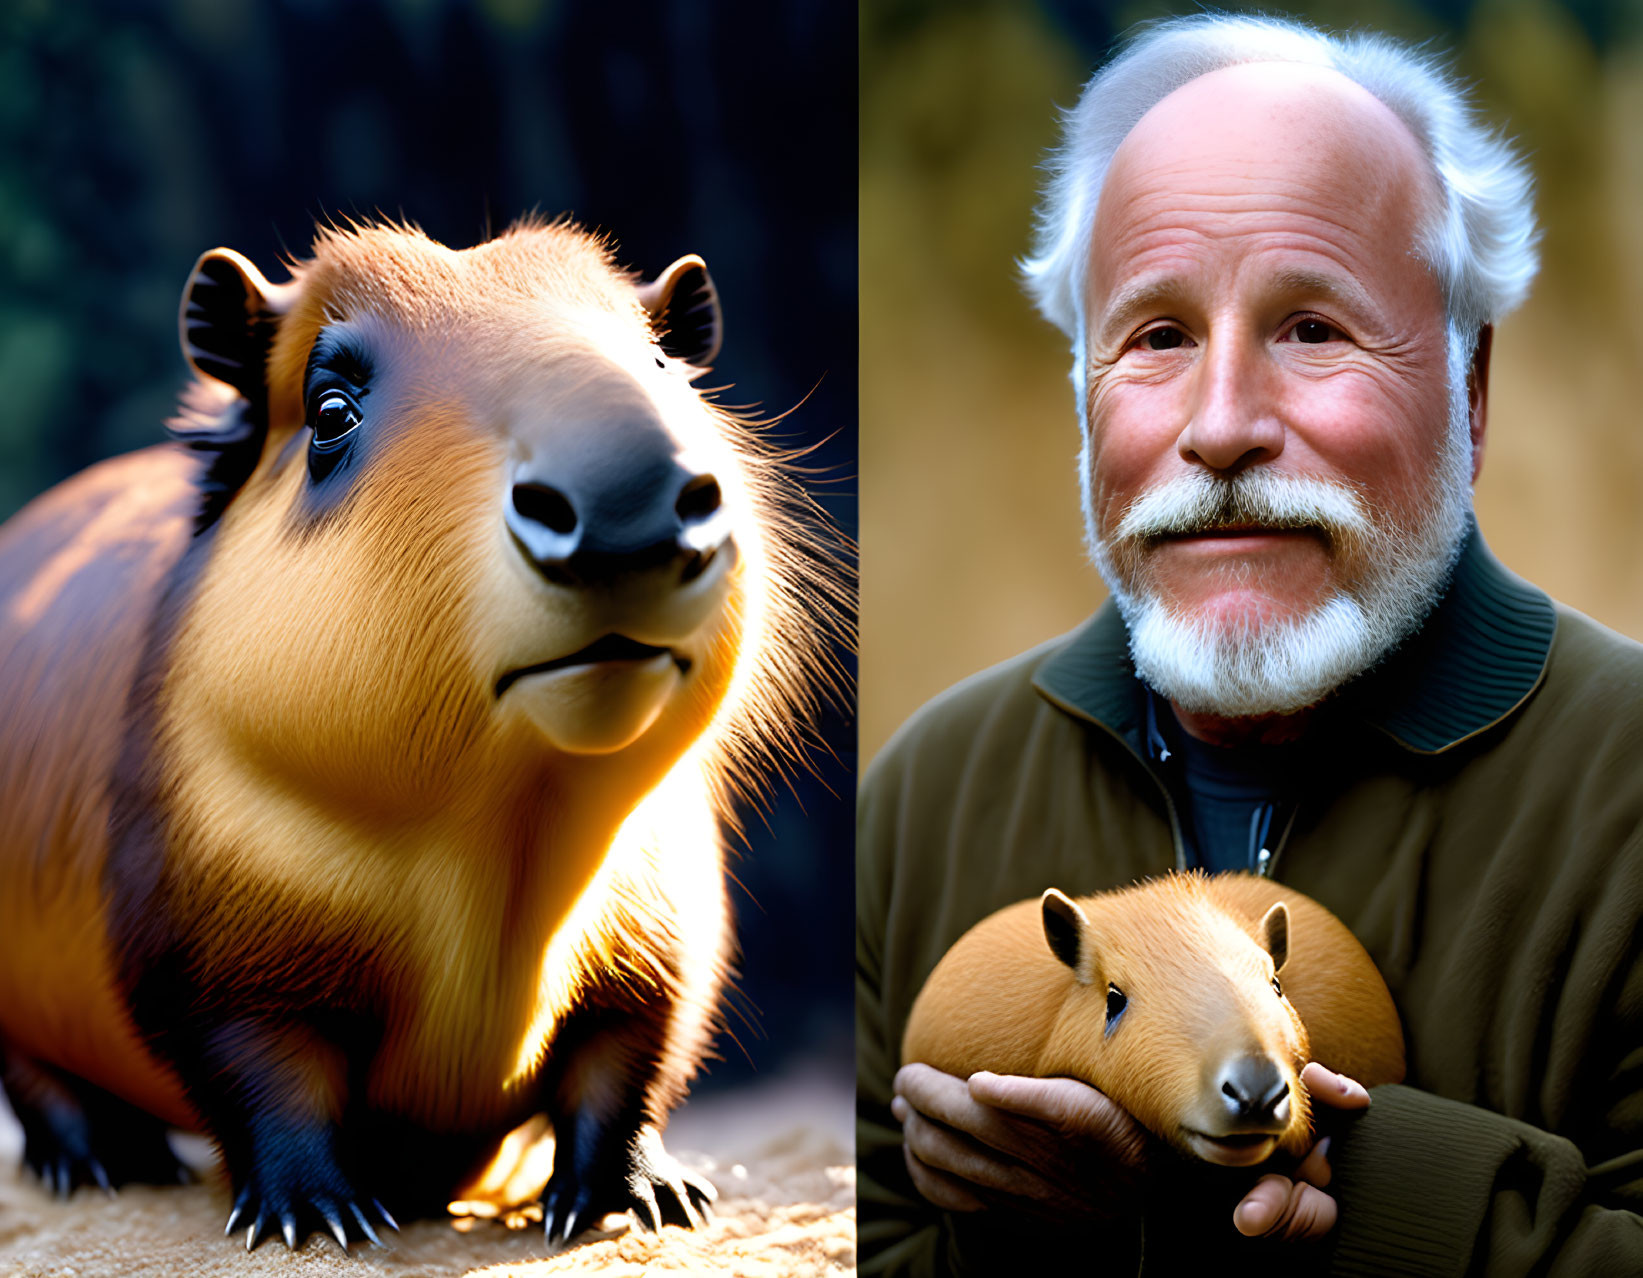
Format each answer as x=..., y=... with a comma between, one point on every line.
x=1476, y=818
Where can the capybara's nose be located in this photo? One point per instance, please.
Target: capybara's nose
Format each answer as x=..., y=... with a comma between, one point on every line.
x=1256, y=1090
x=627, y=507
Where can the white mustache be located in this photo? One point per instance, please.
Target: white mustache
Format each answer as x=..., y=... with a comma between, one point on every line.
x=1200, y=502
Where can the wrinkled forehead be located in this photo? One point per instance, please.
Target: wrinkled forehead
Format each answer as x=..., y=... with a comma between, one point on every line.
x=1266, y=150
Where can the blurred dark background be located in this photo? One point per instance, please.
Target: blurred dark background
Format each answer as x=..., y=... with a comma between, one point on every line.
x=134, y=136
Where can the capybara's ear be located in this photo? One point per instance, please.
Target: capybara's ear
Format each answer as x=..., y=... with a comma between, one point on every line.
x=1067, y=930
x=684, y=309
x=1275, y=935
x=227, y=320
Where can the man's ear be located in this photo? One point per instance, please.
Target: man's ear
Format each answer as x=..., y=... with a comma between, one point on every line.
x=1477, y=395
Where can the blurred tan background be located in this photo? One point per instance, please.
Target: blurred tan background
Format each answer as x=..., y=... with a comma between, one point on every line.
x=970, y=529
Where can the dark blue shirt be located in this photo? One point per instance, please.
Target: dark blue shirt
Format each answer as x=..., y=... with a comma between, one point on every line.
x=1233, y=801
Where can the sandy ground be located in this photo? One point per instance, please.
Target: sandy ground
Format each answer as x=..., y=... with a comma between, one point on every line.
x=779, y=1154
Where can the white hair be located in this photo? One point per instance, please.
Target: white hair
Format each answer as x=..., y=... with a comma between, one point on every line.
x=1480, y=244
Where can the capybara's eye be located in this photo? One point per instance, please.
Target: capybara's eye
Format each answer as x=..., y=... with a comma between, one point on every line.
x=1277, y=988
x=335, y=416
x=1116, y=1003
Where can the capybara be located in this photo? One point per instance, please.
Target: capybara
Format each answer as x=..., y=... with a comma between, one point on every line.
x=363, y=748
x=1193, y=1002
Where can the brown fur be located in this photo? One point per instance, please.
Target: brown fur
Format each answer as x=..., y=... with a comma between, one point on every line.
x=348, y=817
x=1186, y=951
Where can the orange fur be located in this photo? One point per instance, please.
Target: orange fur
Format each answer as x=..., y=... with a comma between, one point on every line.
x=340, y=785
x=1185, y=951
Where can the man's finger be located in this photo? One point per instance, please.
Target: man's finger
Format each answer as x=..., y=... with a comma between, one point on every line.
x=955, y=1162
x=1335, y=1090
x=942, y=1149
x=1312, y=1214
x=946, y=1192
x=1067, y=1106
x=1060, y=1102
x=1280, y=1208
x=1262, y=1207
x=936, y=1095
x=1315, y=1168
x=946, y=1099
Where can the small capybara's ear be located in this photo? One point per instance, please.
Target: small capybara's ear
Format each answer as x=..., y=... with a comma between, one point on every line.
x=1067, y=930
x=1275, y=935
x=227, y=321
x=684, y=309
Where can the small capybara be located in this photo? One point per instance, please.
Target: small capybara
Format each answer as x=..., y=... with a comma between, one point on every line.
x=363, y=748
x=1193, y=1002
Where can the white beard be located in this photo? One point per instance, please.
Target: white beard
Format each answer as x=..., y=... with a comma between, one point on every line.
x=1251, y=667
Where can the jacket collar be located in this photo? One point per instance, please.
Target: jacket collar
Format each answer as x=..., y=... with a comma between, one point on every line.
x=1475, y=661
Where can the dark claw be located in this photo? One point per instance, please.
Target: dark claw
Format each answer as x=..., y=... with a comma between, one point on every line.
x=386, y=1217
x=559, y=1217
x=337, y=1231
x=645, y=1210
x=687, y=1205
x=239, y=1209
x=253, y=1233
x=288, y=1227
x=99, y=1175
x=699, y=1198
x=364, y=1224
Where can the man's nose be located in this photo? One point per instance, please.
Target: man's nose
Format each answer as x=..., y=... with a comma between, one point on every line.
x=1235, y=422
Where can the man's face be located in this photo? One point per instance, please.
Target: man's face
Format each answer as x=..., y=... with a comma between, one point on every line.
x=1256, y=309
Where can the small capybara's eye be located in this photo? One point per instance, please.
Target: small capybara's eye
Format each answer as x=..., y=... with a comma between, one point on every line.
x=335, y=415
x=1116, y=1003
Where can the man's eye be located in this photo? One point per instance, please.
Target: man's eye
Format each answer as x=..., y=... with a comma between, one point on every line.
x=1162, y=339
x=1314, y=331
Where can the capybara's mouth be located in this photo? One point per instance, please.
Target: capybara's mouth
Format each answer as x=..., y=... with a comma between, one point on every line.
x=609, y=648
x=1235, y=1149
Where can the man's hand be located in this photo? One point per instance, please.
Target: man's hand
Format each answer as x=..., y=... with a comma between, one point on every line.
x=1295, y=1206
x=1050, y=1147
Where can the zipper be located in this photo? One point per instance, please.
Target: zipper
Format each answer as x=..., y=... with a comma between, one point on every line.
x=1267, y=857
x=1163, y=790
x=1260, y=826
x=1263, y=850
x=1157, y=744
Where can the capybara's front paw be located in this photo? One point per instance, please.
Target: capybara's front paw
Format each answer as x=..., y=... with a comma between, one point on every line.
x=638, y=1176
x=295, y=1187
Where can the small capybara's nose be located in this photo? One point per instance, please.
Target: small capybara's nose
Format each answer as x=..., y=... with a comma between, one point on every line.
x=624, y=507
x=1255, y=1090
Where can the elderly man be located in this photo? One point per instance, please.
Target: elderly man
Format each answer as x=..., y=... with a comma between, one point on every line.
x=1279, y=256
